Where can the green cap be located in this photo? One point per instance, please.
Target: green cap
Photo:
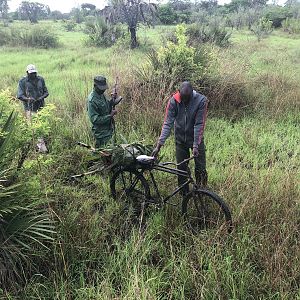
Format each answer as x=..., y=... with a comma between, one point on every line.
x=100, y=82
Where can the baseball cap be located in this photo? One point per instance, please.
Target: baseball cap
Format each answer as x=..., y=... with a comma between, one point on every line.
x=31, y=69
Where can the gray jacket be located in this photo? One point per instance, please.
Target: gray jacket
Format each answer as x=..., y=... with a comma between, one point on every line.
x=32, y=88
x=189, y=120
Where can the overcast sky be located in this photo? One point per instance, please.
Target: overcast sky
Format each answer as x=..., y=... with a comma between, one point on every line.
x=62, y=5
x=66, y=5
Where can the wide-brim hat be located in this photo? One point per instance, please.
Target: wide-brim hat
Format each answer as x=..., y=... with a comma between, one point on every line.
x=100, y=82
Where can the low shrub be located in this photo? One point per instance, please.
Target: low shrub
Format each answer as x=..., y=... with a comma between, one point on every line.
x=208, y=33
x=213, y=33
x=5, y=36
x=101, y=34
x=277, y=14
x=262, y=29
x=35, y=36
x=69, y=25
x=292, y=26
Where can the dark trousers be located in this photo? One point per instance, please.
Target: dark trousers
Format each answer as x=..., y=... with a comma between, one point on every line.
x=182, y=153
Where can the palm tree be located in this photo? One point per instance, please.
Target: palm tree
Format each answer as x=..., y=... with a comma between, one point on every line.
x=22, y=227
x=131, y=12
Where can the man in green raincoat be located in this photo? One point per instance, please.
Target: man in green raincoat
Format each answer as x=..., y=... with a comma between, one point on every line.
x=101, y=112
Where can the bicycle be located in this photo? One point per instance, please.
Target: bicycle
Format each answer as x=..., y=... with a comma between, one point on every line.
x=201, y=208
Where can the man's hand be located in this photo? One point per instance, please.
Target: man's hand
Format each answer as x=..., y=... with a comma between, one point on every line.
x=117, y=100
x=29, y=99
x=156, y=150
x=195, y=152
x=113, y=113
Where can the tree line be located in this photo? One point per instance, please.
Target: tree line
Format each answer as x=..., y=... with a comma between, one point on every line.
x=257, y=15
x=172, y=12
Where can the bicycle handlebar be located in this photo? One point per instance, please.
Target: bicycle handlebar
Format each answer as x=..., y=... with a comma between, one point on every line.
x=177, y=165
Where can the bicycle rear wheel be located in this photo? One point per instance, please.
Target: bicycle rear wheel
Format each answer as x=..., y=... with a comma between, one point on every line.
x=205, y=210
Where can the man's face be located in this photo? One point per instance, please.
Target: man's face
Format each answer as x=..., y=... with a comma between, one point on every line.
x=185, y=94
x=32, y=75
x=99, y=91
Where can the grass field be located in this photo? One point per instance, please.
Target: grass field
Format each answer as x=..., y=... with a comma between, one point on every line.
x=253, y=157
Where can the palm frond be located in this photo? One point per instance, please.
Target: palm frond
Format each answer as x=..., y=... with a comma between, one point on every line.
x=22, y=228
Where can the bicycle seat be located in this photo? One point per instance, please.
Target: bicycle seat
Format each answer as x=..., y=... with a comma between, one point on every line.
x=145, y=159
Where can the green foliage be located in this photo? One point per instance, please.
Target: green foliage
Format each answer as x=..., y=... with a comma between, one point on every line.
x=25, y=224
x=5, y=36
x=183, y=17
x=253, y=162
x=33, y=11
x=291, y=25
x=122, y=155
x=36, y=36
x=101, y=34
x=77, y=15
x=235, y=5
x=277, y=14
x=178, y=59
x=41, y=125
x=69, y=25
x=209, y=33
x=166, y=14
x=262, y=29
x=131, y=13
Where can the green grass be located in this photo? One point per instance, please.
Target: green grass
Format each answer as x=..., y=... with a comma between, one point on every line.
x=253, y=163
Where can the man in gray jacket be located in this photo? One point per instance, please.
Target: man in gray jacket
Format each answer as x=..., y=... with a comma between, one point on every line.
x=187, y=110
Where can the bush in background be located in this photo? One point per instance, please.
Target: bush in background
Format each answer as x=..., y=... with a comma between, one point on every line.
x=198, y=33
x=166, y=14
x=262, y=29
x=210, y=33
x=101, y=34
x=5, y=36
x=277, y=14
x=35, y=36
x=69, y=25
x=292, y=26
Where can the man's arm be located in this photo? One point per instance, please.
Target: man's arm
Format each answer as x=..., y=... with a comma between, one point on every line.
x=45, y=91
x=168, y=124
x=96, y=117
x=21, y=94
x=199, y=125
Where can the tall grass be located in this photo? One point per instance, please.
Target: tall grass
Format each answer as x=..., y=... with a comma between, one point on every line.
x=253, y=163
x=36, y=36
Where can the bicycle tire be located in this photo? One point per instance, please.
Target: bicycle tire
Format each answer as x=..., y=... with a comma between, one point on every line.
x=198, y=219
x=138, y=176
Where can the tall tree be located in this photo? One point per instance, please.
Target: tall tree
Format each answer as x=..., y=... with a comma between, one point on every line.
x=88, y=9
x=4, y=11
x=131, y=12
x=292, y=3
x=56, y=15
x=181, y=5
x=33, y=11
x=209, y=6
x=77, y=14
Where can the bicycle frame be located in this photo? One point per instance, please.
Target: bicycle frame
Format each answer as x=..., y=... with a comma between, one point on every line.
x=175, y=171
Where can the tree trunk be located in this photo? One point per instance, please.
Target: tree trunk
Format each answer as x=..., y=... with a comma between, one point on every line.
x=134, y=42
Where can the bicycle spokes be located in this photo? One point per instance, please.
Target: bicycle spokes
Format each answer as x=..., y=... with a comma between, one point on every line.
x=204, y=211
x=128, y=185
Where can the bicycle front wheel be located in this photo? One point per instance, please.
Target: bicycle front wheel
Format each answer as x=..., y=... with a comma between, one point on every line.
x=205, y=210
